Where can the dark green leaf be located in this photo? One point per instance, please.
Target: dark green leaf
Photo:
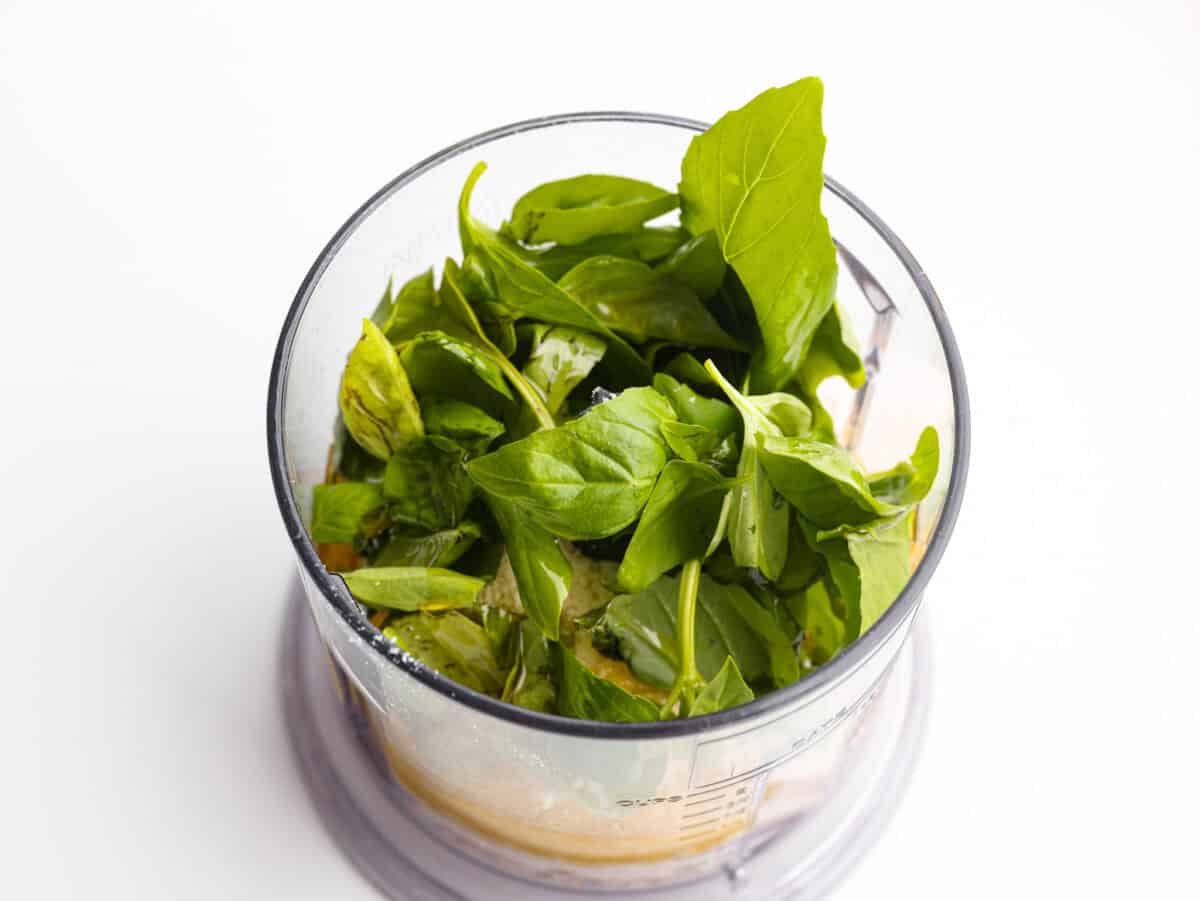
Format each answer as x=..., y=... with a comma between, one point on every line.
x=698, y=444
x=530, y=682
x=572, y=210
x=687, y=369
x=452, y=645
x=677, y=524
x=377, y=403
x=354, y=463
x=412, y=587
x=543, y=574
x=692, y=408
x=418, y=308
x=338, y=510
x=463, y=423
x=584, y=695
x=642, y=303
x=414, y=356
x=697, y=264
x=588, y=478
x=755, y=178
x=727, y=689
x=908, y=482
x=428, y=485
x=440, y=548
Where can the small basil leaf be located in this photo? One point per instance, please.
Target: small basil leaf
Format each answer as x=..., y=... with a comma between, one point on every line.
x=698, y=444
x=649, y=244
x=572, y=210
x=908, y=482
x=584, y=695
x=412, y=587
x=338, y=510
x=586, y=479
x=383, y=309
x=823, y=630
x=451, y=644
x=416, y=356
x=542, y=572
x=354, y=463
x=789, y=414
x=676, y=525
x=378, y=406
x=726, y=689
x=559, y=359
x=697, y=264
x=500, y=626
x=418, y=307
x=530, y=682
x=755, y=177
x=440, y=549
x=428, y=485
x=834, y=351
x=692, y=408
x=642, y=303
x=687, y=369
x=463, y=423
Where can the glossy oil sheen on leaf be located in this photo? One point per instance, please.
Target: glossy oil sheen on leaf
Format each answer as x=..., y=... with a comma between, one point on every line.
x=586, y=479
x=451, y=644
x=338, y=510
x=726, y=689
x=584, y=695
x=542, y=572
x=378, y=406
x=572, y=210
x=427, y=484
x=412, y=588
x=755, y=178
x=643, y=303
x=697, y=264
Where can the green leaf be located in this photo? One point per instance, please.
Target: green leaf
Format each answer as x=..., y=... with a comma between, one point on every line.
x=463, y=423
x=586, y=696
x=428, y=485
x=821, y=481
x=699, y=444
x=908, y=482
x=500, y=627
x=353, y=463
x=440, y=549
x=677, y=524
x=378, y=406
x=692, y=408
x=530, y=682
x=415, y=355
x=542, y=572
x=642, y=303
x=697, y=264
x=526, y=291
x=451, y=644
x=559, y=359
x=572, y=210
x=586, y=479
x=824, y=631
x=755, y=178
x=412, y=587
x=687, y=369
x=383, y=309
x=834, y=351
x=727, y=689
x=650, y=245
x=338, y=510
x=417, y=308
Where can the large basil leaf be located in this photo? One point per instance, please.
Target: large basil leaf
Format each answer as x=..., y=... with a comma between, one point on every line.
x=643, y=303
x=697, y=264
x=451, y=644
x=834, y=351
x=440, y=549
x=727, y=689
x=586, y=479
x=338, y=510
x=559, y=359
x=908, y=482
x=412, y=587
x=378, y=406
x=676, y=525
x=526, y=291
x=755, y=178
x=572, y=210
x=530, y=682
x=463, y=423
x=542, y=572
x=649, y=244
x=420, y=357
x=584, y=695
x=695, y=409
x=427, y=484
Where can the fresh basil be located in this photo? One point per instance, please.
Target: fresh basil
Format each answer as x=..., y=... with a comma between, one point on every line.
x=339, y=509
x=727, y=689
x=427, y=484
x=530, y=682
x=451, y=644
x=378, y=406
x=542, y=572
x=908, y=482
x=463, y=423
x=699, y=444
x=559, y=359
x=695, y=409
x=650, y=244
x=425, y=356
x=824, y=632
x=697, y=264
x=572, y=210
x=584, y=695
x=834, y=351
x=440, y=549
x=417, y=307
x=412, y=588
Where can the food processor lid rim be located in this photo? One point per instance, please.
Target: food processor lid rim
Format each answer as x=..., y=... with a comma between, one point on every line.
x=823, y=679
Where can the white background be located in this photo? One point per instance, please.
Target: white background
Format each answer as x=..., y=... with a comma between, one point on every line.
x=167, y=173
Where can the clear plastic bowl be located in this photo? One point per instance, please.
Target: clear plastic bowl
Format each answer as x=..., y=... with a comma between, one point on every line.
x=579, y=805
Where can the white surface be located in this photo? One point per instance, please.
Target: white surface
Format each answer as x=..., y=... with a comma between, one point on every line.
x=166, y=177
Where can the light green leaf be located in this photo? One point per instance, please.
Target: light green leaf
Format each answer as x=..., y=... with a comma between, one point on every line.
x=440, y=549
x=530, y=682
x=427, y=484
x=823, y=630
x=584, y=695
x=412, y=587
x=451, y=644
x=463, y=423
x=500, y=627
x=418, y=307
x=727, y=689
x=650, y=245
x=338, y=510
x=755, y=178
x=572, y=210
x=414, y=354
x=699, y=444
x=834, y=351
x=559, y=359
x=908, y=482
x=697, y=264
x=693, y=408
x=378, y=407
x=686, y=368
x=542, y=572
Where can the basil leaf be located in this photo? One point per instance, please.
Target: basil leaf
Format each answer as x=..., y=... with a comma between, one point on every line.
x=383, y=309
x=676, y=525
x=824, y=631
x=642, y=303
x=420, y=356
x=908, y=482
x=692, y=408
x=834, y=351
x=353, y=463
x=789, y=414
x=461, y=422
x=412, y=587
x=338, y=510
x=870, y=566
x=588, y=478
x=687, y=369
x=649, y=244
x=500, y=627
x=530, y=683
x=428, y=485
x=820, y=480
x=584, y=695
x=697, y=264
x=451, y=644
x=727, y=689
x=572, y=210
x=378, y=406
x=525, y=290
x=559, y=359
x=542, y=572
x=440, y=549
x=755, y=178
x=698, y=444
x=417, y=307
x=803, y=565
